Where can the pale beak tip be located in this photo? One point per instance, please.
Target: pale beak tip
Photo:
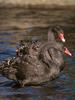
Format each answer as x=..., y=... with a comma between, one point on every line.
x=63, y=40
x=70, y=54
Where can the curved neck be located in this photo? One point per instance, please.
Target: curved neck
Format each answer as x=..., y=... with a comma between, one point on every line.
x=51, y=37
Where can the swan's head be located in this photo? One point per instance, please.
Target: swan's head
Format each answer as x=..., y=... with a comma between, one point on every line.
x=62, y=48
x=59, y=32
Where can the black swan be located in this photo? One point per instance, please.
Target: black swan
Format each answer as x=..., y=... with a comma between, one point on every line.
x=37, y=63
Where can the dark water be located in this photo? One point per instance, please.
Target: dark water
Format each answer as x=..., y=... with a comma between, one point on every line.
x=17, y=24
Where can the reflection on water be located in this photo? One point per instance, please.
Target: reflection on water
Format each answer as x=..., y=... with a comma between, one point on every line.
x=25, y=24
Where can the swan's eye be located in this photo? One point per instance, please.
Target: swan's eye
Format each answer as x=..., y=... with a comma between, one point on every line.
x=61, y=37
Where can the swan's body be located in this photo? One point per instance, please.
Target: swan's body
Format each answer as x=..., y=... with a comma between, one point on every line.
x=35, y=62
x=35, y=69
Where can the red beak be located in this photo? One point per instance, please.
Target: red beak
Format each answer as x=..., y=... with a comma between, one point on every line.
x=66, y=51
x=61, y=36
